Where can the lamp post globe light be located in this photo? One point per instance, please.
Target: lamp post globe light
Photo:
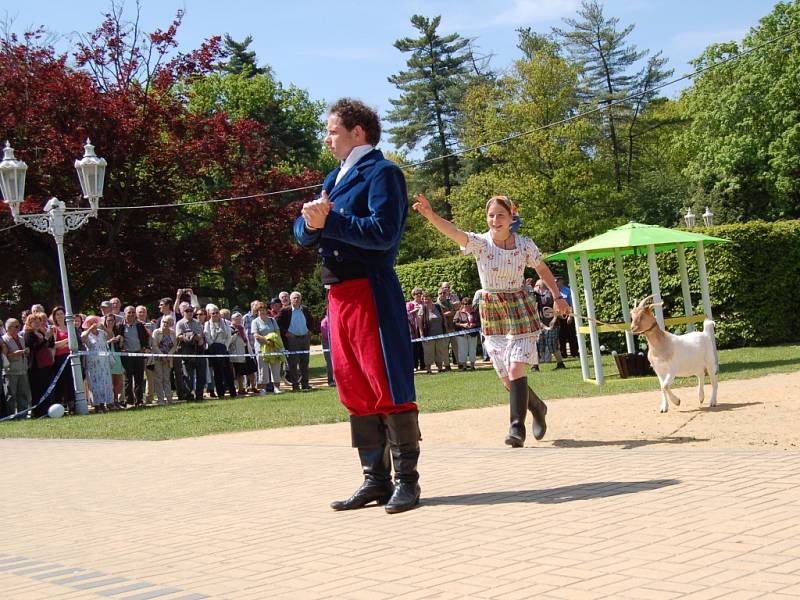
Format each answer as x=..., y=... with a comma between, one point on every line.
x=57, y=220
x=689, y=218
x=708, y=217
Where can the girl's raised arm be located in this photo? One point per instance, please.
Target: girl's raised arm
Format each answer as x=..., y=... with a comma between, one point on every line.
x=423, y=207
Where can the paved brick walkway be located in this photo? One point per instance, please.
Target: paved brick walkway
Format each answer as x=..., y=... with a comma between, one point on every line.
x=228, y=517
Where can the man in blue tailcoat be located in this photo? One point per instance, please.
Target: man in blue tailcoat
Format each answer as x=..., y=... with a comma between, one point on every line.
x=357, y=223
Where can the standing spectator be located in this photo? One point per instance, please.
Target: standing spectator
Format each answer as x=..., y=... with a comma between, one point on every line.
x=114, y=347
x=326, y=349
x=451, y=295
x=39, y=342
x=149, y=364
x=265, y=331
x=64, y=392
x=432, y=323
x=547, y=343
x=247, y=322
x=202, y=317
x=98, y=363
x=412, y=309
x=166, y=308
x=567, y=334
x=296, y=323
x=218, y=335
x=18, y=398
x=448, y=309
x=241, y=350
x=135, y=339
x=191, y=344
x=163, y=344
x=465, y=319
x=275, y=307
x=285, y=299
x=116, y=310
x=105, y=308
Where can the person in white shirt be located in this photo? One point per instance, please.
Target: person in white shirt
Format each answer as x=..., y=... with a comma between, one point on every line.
x=508, y=313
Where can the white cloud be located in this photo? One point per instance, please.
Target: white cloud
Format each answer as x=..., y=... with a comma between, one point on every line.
x=528, y=12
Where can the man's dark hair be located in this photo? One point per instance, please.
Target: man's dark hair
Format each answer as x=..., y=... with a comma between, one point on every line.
x=354, y=112
x=167, y=301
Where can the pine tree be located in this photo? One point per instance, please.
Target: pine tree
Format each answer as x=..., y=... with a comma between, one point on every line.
x=240, y=59
x=431, y=89
x=607, y=59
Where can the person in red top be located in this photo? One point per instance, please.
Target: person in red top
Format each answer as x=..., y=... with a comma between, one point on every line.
x=64, y=392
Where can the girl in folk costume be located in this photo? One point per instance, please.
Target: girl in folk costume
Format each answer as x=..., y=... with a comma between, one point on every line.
x=508, y=313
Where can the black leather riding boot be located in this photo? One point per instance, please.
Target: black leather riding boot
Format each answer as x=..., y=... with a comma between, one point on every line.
x=518, y=405
x=369, y=436
x=539, y=410
x=404, y=437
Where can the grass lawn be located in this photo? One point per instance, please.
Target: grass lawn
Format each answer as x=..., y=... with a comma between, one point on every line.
x=435, y=393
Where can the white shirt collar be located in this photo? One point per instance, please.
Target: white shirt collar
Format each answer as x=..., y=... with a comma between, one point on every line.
x=356, y=154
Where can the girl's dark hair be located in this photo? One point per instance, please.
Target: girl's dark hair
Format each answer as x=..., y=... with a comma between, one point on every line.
x=502, y=201
x=354, y=112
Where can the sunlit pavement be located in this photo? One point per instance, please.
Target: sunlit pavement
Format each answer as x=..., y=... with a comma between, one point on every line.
x=224, y=517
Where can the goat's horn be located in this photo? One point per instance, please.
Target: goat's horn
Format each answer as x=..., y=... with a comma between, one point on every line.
x=644, y=301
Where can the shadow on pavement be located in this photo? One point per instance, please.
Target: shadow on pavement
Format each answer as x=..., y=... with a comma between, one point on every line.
x=626, y=444
x=568, y=493
x=721, y=407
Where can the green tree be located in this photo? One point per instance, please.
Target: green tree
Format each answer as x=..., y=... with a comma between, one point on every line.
x=744, y=136
x=292, y=119
x=241, y=61
x=548, y=171
x=607, y=61
x=430, y=92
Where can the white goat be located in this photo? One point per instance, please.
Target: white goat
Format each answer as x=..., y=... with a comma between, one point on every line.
x=677, y=355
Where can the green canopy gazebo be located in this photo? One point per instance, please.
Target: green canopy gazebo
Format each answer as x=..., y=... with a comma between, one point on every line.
x=633, y=238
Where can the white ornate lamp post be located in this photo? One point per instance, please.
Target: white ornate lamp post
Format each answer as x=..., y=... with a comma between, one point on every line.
x=708, y=217
x=689, y=218
x=56, y=221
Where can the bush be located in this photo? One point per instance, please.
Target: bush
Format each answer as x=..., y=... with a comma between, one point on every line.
x=460, y=271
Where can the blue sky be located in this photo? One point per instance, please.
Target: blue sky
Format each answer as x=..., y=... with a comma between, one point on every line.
x=334, y=49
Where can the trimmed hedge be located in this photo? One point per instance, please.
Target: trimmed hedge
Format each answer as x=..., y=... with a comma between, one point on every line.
x=754, y=282
x=460, y=271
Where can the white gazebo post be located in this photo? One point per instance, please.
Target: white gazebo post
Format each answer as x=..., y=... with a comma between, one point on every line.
x=576, y=305
x=701, y=268
x=655, y=284
x=590, y=315
x=57, y=220
x=623, y=298
x=688, y=309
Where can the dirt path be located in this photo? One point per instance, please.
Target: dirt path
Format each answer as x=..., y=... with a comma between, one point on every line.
x=750, y=413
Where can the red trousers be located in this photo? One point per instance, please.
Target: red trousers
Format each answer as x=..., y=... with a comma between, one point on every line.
x=358, y=363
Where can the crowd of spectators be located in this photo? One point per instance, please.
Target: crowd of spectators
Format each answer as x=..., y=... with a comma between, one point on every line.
x=187, y=353
x=190, y=352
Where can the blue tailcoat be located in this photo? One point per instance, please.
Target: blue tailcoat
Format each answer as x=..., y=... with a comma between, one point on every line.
x=370, y=207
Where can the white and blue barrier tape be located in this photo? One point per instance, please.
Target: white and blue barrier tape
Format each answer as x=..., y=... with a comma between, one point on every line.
x=45, y=396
